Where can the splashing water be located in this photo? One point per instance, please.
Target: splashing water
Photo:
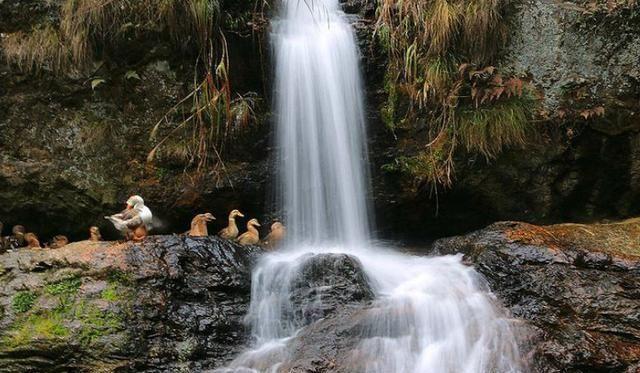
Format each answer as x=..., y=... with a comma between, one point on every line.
x=430, y=314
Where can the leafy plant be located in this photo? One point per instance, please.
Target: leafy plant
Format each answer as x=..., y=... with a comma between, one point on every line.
x=23, y=301
x=67, y=286
x=210, y=118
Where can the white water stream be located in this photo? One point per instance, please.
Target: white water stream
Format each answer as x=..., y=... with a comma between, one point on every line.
x=431, y=314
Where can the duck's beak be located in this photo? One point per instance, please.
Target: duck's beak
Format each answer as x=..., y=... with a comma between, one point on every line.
x=210, y=217
x=240, y=214
x=257, y=224
x=129, y=207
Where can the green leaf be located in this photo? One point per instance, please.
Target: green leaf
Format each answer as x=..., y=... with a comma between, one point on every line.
x=131, y=74
x=96, y=82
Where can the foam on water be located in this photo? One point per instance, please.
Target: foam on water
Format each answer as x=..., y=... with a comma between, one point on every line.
x=431, y=314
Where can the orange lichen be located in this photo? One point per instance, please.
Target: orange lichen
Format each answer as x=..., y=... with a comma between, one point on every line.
x=621, y=239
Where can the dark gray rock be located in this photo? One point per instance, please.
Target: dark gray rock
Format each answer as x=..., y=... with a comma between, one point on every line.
x=170, y=303
x=325, y=284
x=573, y=283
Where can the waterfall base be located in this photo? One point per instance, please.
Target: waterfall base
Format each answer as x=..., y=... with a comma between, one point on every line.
x=373, y=310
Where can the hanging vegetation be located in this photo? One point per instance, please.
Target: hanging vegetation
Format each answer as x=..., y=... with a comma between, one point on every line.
x=441, y=57
x=194, y=132
x=89, y=27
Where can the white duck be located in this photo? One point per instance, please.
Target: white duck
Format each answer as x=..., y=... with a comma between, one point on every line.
x=135, y=220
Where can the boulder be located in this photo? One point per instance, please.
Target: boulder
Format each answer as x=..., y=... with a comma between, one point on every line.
x=166, y=304
x=577, y=285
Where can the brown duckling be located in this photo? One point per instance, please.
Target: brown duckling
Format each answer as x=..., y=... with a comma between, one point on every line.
x=94, y=234
x=275, y=236
x=231, y=231
x=137, y=233
x=199, y=225
x=32, y=241
x=59, y=241
x=251, y=236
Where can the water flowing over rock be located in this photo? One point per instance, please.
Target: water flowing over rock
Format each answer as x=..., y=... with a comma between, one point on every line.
x=330, y=300
x=578, y=285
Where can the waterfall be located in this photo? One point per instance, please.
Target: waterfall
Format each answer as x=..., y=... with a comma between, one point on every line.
x=320, y=134
x=430, y=314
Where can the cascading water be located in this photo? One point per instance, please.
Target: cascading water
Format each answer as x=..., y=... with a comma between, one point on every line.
x=320, y=125
x=430, y=314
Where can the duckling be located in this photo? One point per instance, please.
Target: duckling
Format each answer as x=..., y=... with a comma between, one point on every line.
x=134, y=221
x=251, y=236
x=231, y=231
x=138, y=233
x=199, y=225
x=94, y=234
x=32, y=241
x=17, y=238
x=58, y=242
x=275, y=236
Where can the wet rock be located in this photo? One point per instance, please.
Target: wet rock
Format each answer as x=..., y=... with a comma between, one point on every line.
x=166, y=304
x=577, y=285
x=326, y=283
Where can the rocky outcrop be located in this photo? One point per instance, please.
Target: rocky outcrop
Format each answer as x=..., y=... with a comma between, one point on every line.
x=168, y=304
x=579, y=53
x=580, y=56
x=336, y=279
x=577, y=285
x=176, y=303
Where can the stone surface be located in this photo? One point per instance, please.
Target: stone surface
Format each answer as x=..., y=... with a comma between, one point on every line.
x=577, y=285
x=170, y=303
x=579, y=55
x=325, y=283
x=577, y=45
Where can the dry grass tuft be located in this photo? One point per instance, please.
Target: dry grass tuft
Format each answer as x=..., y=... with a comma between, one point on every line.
x=87, y=27
x=440, y=59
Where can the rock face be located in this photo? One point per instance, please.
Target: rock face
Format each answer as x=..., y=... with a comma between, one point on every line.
x=70, y=151
x=566, y=49
x=168, y=304
x=577, y=285
x=579, y=55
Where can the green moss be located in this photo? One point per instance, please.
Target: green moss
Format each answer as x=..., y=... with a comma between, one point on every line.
x=66, y=287
x=111, y=293
x=96, y=322
x=120, y=277
x=23, y=301
x=47, y=325
x=65, y=290
x=426, y=164
x=488, y=130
